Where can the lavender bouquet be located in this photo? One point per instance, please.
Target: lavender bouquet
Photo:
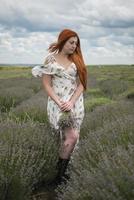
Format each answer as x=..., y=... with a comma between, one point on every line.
x=66, y=120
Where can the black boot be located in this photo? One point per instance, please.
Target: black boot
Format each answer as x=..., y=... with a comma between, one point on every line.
x=62, y=167
x=61, y=174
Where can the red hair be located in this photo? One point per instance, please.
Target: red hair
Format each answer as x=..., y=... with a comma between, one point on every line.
x=76, y=57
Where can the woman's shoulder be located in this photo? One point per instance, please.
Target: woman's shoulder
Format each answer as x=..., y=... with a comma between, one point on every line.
x=49, y=65
x=49, y=59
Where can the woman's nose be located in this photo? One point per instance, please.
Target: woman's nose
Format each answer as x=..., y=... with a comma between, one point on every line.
x=74, y=45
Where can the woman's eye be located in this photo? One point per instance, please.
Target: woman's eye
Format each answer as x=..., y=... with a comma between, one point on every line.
x=73, y=43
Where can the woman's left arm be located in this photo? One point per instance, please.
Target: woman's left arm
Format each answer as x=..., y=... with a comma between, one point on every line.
x=66, y=106
x=77, y=93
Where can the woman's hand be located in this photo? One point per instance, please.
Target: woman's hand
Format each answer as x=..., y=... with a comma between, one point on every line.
x=59, y=103
x=67, y=106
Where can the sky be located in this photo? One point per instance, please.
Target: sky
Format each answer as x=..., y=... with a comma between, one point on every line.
x=105, y=28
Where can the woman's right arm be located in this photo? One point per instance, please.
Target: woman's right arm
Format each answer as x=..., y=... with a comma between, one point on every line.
x=47, y=84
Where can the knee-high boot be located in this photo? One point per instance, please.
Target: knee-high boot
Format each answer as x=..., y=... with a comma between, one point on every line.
x=61, y=167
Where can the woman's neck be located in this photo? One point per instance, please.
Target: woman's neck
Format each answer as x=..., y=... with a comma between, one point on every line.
x=63, y=55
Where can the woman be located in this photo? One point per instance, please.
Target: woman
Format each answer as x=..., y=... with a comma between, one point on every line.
x=64, y=77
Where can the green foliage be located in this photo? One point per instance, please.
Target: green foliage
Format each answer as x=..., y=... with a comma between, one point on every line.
x=112, y=88
x=10, y=97
x=28, y=152
x=33, y=109
x=29, y=83
x=105, y=114
x=129, y=94
x=93, y=92
x=101, y=166
x=13, y=72
x=90, y=104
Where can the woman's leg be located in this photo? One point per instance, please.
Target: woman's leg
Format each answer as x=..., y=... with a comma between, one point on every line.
x=68, y=142
x=71, y=136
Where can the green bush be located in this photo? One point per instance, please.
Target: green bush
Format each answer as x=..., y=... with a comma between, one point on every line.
x=28, y=83
x=28, y=153
x=33, y=109
x=113, y=88
x=93, y=92
x=10, y=97
x=111, y=180
x=104, y=114
x=91, y=104
x=91, y=82
x=102, y=167
x=129, y=94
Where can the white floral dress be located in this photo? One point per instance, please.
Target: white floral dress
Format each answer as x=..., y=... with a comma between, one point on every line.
x=64, y=85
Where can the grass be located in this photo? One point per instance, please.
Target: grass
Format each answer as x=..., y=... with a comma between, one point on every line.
x=102, y=165
x=13, y=72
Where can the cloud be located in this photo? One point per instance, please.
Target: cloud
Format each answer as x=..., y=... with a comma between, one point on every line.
x=108, y=13
x=106, y=29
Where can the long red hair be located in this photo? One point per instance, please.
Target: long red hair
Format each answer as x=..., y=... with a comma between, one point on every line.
x=76, y=57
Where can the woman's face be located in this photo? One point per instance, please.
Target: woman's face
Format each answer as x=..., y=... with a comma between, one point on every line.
x=70, y=45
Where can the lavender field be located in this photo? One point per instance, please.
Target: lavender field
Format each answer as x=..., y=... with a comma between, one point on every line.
x=102, y=166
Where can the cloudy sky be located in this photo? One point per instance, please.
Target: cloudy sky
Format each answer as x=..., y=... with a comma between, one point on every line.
x=105, y=28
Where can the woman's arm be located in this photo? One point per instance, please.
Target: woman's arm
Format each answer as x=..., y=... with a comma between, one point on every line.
x=47, y=84
x=69, y=104
x=77, y=93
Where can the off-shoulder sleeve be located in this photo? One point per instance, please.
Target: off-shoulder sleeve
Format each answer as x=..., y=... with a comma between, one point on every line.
x=47, y=68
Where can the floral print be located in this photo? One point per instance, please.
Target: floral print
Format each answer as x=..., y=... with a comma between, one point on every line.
x=64, y=85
